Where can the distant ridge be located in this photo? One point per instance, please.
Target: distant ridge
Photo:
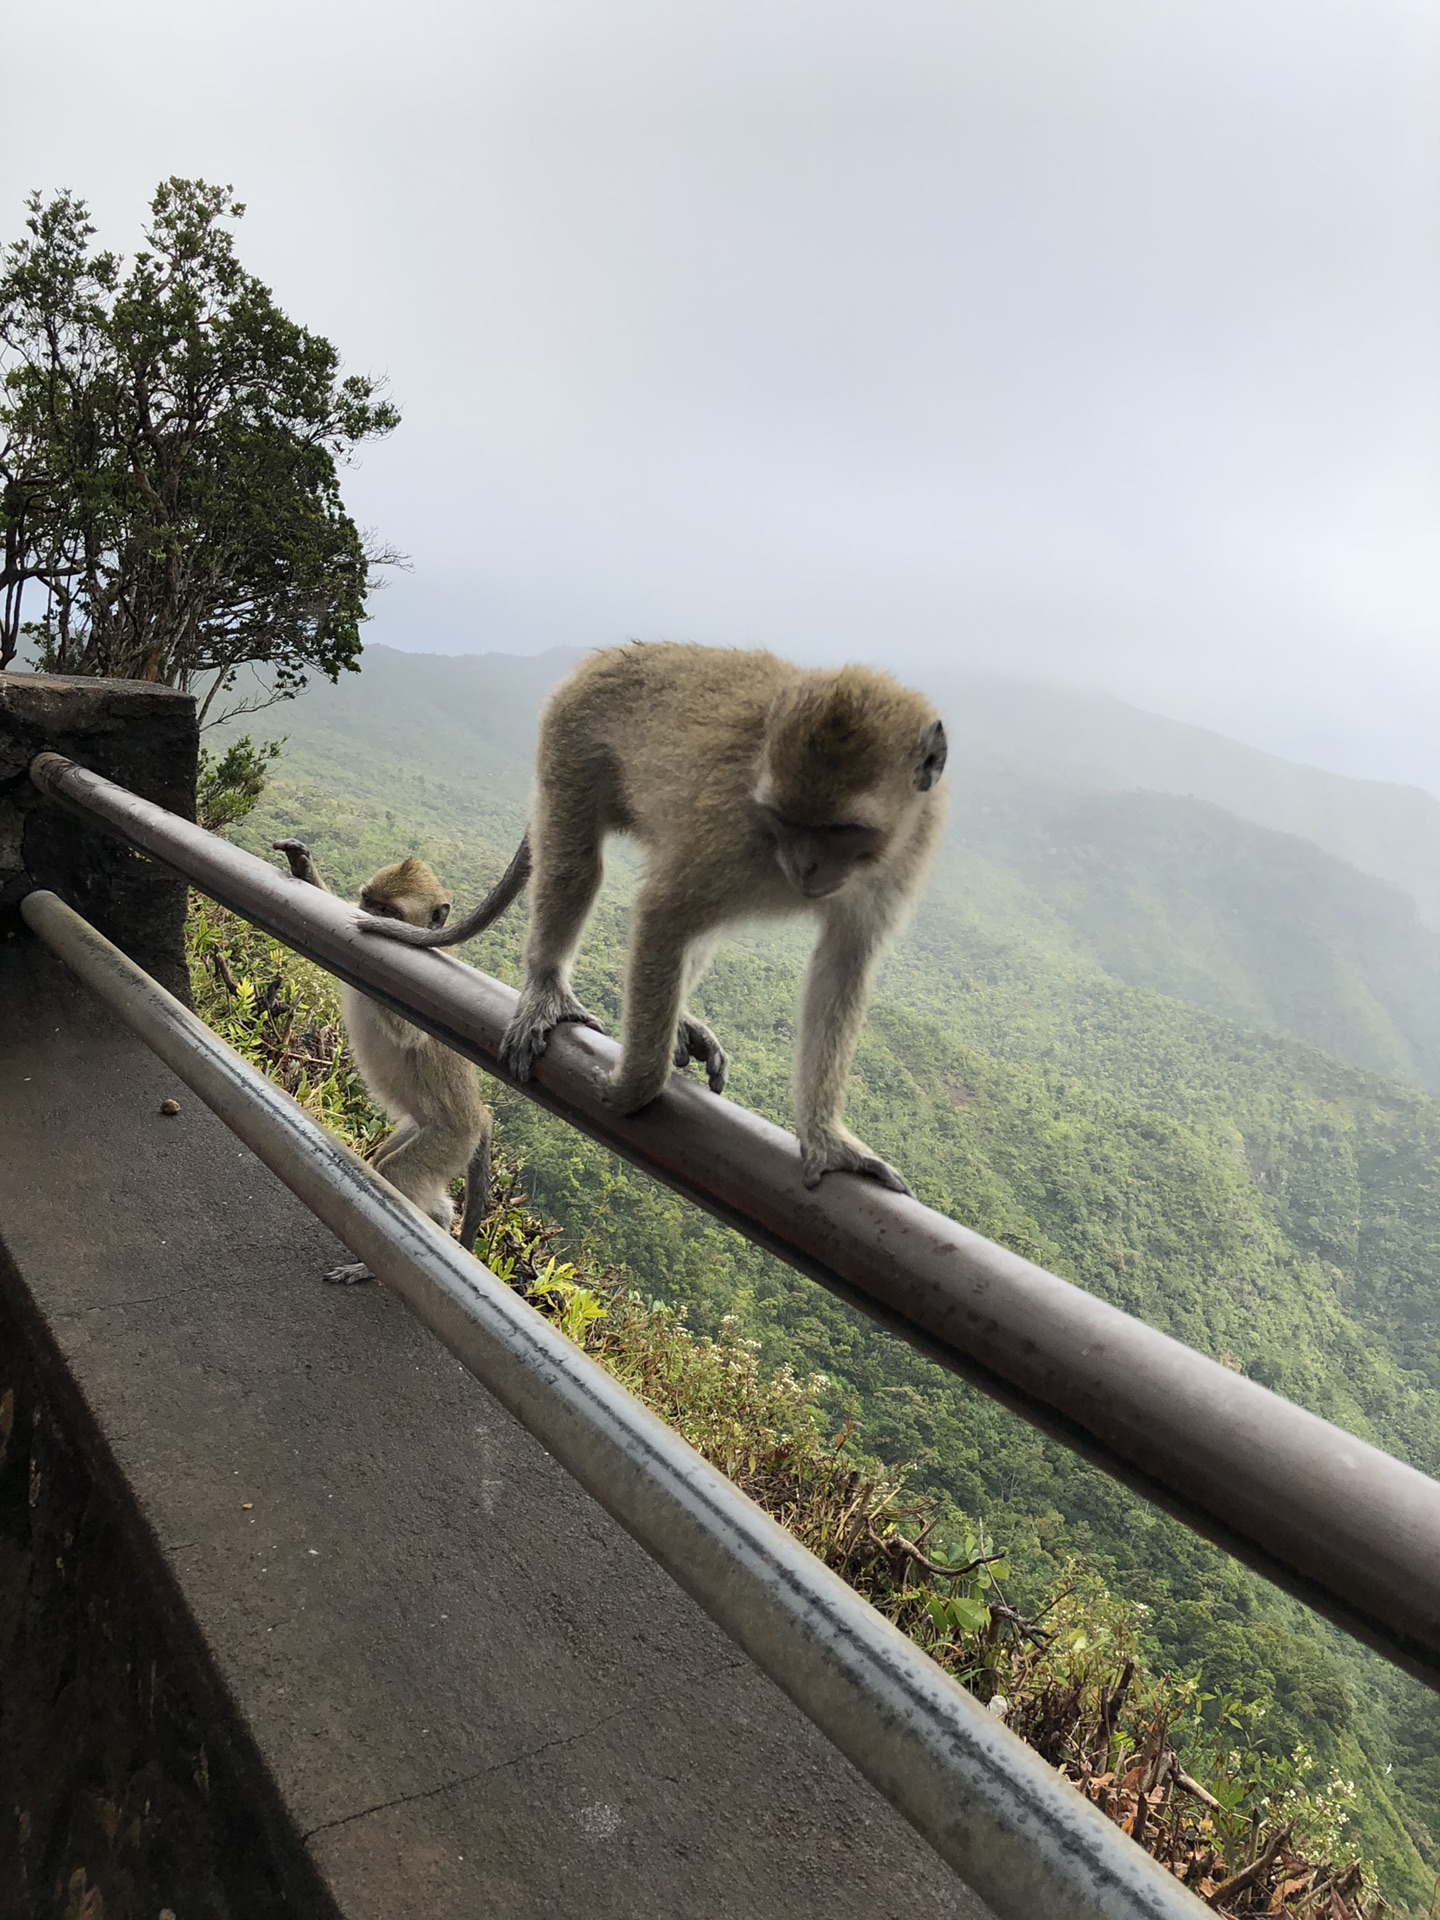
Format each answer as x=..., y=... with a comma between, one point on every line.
x=457, y=717
x=1093, y=740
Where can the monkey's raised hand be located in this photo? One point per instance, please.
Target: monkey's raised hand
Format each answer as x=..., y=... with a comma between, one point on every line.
x=839, y=1151
x=298, y=854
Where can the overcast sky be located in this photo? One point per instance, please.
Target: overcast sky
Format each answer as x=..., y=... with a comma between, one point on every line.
x=1099, y=342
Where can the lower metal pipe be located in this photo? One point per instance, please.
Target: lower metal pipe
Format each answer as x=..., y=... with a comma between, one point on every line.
x=1028, y=1843
x=1339, y=1523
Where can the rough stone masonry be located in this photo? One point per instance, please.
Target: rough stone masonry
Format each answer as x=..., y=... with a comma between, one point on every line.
x=143, y=737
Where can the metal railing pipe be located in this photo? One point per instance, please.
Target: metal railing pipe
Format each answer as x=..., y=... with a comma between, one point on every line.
x=1021, y=1836
x=1337, y=1522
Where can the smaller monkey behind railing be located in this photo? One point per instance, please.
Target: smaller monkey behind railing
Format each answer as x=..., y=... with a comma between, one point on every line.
x=442, y=1127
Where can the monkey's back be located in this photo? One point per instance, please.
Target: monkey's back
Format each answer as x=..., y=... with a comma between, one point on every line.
x=409, y=1073
x=662, y=726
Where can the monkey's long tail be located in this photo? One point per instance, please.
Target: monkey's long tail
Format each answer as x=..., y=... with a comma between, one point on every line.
x=500, y=896
x=477, y=1190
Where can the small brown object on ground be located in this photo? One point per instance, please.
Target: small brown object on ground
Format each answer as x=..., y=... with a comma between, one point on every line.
x=170, y=1108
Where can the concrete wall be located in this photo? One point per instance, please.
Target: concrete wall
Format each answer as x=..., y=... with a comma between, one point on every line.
x=142, y=736
x=126, y=1785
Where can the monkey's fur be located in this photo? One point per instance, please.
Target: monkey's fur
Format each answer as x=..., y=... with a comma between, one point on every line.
x=443, y=1128
x=756, y=788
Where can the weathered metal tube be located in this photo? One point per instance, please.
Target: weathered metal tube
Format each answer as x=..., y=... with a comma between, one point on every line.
x=1348, y=1529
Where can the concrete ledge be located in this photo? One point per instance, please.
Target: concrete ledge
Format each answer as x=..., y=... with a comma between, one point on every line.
x=125, y=1788
x=437, y=1678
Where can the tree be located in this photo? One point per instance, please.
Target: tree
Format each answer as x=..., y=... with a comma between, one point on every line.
x=170, y=445
x=228, y=786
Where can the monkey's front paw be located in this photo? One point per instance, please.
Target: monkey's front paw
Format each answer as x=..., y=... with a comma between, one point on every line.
x=843, y=1153
x=522, y=1044
x=349, y=1276
x=695, y=1041
x=528, y=1034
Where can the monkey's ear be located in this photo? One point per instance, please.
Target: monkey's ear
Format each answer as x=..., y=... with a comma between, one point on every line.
x=933, y=751
x=439, y=915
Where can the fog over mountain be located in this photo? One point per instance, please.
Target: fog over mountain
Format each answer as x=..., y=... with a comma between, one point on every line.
x=1097, y=344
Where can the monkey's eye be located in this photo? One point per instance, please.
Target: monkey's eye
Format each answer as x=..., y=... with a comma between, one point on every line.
x=380, y=908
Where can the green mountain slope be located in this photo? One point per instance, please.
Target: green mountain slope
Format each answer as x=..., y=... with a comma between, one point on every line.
x=1272, y=1205
x=455, y=718
x=1185, y=898
x=1092, y=740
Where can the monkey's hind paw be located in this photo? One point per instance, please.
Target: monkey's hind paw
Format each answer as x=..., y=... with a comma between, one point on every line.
x=349, y=1276
x=695, y=1041
x=846, y=1154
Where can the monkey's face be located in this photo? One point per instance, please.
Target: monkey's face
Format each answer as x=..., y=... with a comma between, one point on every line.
x=844, y=760
x=818, y=858
x=421, y=910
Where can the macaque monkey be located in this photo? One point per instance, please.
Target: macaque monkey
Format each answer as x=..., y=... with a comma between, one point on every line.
x=443, y=1128
x=757, y=789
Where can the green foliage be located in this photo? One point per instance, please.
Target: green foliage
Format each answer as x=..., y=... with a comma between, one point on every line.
x=169, y=460
x=229, y=784
x=282, y=1015
x=1169, y=893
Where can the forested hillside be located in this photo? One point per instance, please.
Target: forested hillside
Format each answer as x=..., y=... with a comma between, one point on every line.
x=1094, y=740
x=1178, y=895
x=1034, y=1067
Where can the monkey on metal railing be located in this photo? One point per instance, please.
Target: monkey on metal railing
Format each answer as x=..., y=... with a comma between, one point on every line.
x=756, y=789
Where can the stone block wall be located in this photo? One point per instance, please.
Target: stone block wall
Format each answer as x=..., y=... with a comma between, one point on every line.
x=145, y=738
